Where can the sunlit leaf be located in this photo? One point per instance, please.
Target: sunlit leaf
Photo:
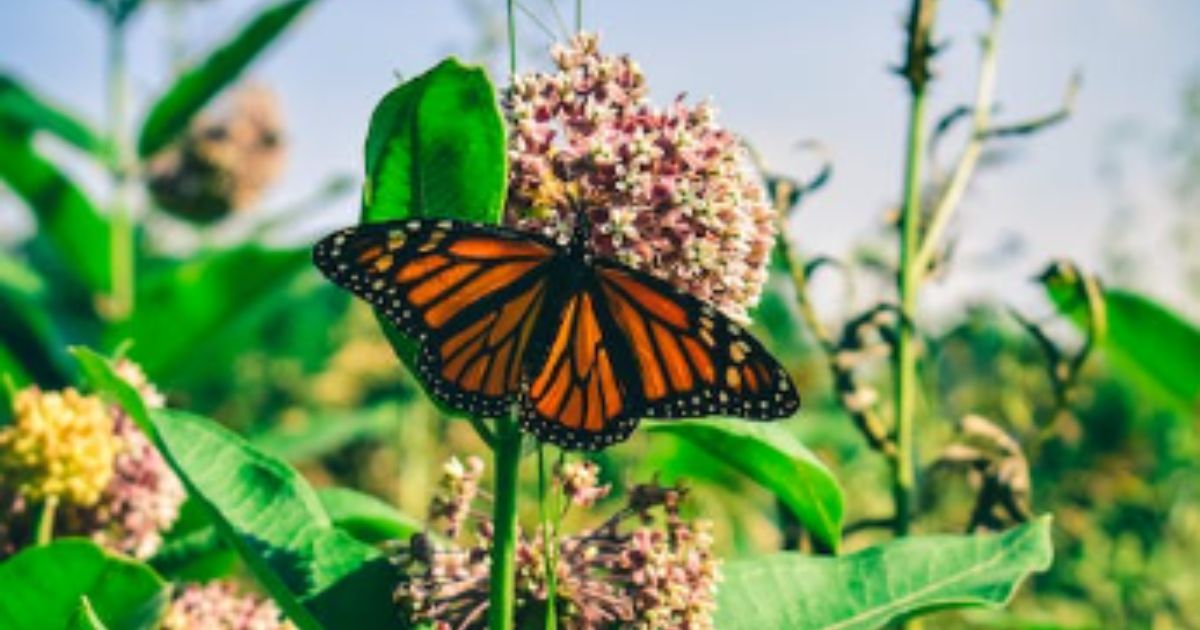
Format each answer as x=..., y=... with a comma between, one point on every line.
x=66, y=216
x=435, y=148
x=318, y=574
x=43, y=585
x=85, y=617
x=170, y=115
x=103, y=378
x=773, y=457
x=366, y=517
x=875, y=586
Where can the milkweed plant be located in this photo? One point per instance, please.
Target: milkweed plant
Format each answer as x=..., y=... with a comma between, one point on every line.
x=123, y=510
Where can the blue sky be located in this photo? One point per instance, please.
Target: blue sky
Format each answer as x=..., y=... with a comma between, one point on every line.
x=778, y=71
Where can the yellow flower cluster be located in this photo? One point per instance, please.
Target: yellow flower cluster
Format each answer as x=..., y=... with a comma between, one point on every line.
x=60, y=444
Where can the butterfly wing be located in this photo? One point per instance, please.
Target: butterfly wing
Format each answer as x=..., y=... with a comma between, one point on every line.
x=692, y=360
x=469, y=294
x=582, y=387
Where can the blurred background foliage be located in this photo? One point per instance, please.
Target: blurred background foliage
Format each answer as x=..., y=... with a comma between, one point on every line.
x=235, y=325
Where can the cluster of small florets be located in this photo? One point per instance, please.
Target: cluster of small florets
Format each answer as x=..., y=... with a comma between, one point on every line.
x=60, y=447
x=220, y=605
x=667, y=191
x=644, y=567
x=104, y=476
x=225, y=161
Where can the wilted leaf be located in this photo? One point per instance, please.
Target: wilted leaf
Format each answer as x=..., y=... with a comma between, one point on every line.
x=43, y=585
x=773, y=457
x=870, y=588
x=222, y=66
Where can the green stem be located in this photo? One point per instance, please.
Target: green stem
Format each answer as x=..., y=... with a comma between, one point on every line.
x=549, y=544
x=121, y=258
x=916, y=70
x=45, y=522
x=502, y=608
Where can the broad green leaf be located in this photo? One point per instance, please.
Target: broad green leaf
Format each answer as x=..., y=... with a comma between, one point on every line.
x=320, y=575
x=1145, y=340
x=435, y=148
x=875, y=586
x=103, y=378
x=326, y=433
x=42, y=587
x=22, y=111
x=193, y=304
x=85, y=617
x=366, y=517
x=773, y=457
x=198, y=556
x=197, y=86
x=31, y=345
x=65, y=214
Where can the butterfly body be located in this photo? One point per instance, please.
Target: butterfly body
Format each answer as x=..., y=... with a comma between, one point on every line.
x=584, y=346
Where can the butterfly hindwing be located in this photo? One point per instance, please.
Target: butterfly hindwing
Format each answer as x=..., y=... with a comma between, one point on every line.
x=693, y=361
x=582, y=387
x=468, y=294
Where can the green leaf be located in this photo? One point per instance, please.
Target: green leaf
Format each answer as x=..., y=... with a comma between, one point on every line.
x=773, y=457
x=320, y=575
x=1145, y=340
x=85, y=617
x=200, y=84
x=103, y=378
x=43, y=586
x=326, y=433
x=366, y=517
x=870, y=588
x=435, y=148
x=21, y=111
x=195, y=303
x=65, y=214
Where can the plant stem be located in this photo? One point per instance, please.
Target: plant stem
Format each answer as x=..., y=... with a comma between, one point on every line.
x=45, y=522
x=549, y=543
x=502, y=608
x=951, y=196
x=916, y=70
x=121, y=256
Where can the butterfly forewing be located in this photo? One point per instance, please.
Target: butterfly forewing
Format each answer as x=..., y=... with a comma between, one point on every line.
x=469, y=294
x=586, y=348
x=693, y=361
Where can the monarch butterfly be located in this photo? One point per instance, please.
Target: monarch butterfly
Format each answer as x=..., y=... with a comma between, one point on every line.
x=585, y=346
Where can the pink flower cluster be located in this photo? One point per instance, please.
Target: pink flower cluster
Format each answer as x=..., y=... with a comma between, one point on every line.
x=219, y=606
x=643, y=567
x=667, y=191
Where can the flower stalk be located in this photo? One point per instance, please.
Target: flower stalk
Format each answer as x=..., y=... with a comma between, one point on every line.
x=121, y=254
x=507, y=450
x=917, y=72
x=45, y=522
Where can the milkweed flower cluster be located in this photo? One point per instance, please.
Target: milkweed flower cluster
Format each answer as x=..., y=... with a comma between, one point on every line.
x=108, y=480
x=224, y=162
x=667, y=191
x=644, y=567
x=219, y=605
